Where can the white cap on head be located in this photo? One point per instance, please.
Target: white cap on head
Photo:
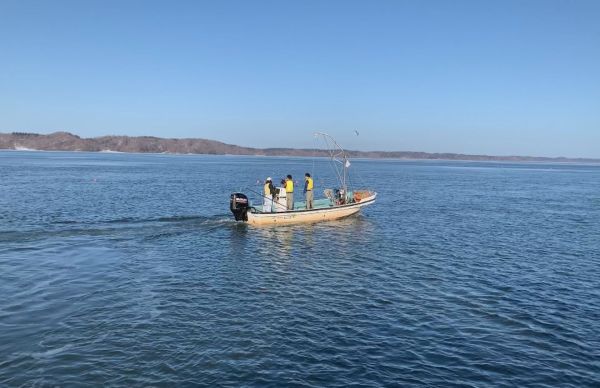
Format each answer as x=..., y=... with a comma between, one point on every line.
x=269, y=178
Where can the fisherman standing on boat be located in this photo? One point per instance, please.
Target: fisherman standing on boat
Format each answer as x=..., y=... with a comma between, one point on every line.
x=289, y=192
x=308, y=190
x=268, y=193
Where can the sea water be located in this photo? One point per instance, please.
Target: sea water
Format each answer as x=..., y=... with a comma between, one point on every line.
x=127, y=270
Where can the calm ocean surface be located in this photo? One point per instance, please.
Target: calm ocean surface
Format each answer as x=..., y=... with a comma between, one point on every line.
x=127, y=270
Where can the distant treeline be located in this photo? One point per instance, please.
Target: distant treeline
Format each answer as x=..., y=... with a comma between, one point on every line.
x=65, y=141
x=25, y=134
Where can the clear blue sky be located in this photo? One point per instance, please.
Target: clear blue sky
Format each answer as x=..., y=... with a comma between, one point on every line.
x=493, y=77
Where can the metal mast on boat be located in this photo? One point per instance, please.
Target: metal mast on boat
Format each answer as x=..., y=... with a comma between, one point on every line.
x=338, y=155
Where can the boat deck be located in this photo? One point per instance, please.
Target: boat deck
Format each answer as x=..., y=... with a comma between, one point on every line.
x=321, y=203
x=324, y=210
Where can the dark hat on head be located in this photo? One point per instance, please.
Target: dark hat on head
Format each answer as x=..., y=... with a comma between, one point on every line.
x=289, y=176
x=307, y=175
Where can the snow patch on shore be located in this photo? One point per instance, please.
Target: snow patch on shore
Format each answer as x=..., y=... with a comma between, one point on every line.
x=20, y=148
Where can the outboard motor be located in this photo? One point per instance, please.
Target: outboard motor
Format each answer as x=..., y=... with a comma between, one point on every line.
x=238, y=203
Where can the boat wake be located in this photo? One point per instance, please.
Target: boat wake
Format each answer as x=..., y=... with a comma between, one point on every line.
x=134, y=220
x=116, y=229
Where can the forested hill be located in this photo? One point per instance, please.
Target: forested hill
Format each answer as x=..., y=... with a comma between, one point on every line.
x=65, y=141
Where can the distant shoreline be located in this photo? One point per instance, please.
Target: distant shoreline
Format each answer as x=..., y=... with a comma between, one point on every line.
x=65, y=141
x=593, y=162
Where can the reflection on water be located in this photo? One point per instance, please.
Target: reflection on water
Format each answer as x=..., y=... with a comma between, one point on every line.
x=281, y=242
x=238, y=238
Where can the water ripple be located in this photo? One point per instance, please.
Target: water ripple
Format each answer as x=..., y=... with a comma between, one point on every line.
x=476, y=277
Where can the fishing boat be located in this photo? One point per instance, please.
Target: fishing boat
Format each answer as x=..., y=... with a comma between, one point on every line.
x=336, y=203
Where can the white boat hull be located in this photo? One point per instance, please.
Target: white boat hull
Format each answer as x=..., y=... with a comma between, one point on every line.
x=308, y=216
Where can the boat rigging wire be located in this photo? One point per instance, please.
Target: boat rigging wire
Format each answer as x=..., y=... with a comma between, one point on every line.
x=337, y=155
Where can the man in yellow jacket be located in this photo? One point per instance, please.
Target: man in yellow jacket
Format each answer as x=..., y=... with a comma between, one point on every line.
x=308, y=190
x=289, y=192
x=268, y=194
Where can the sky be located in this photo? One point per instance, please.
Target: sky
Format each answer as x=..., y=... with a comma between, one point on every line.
x=479, y=77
